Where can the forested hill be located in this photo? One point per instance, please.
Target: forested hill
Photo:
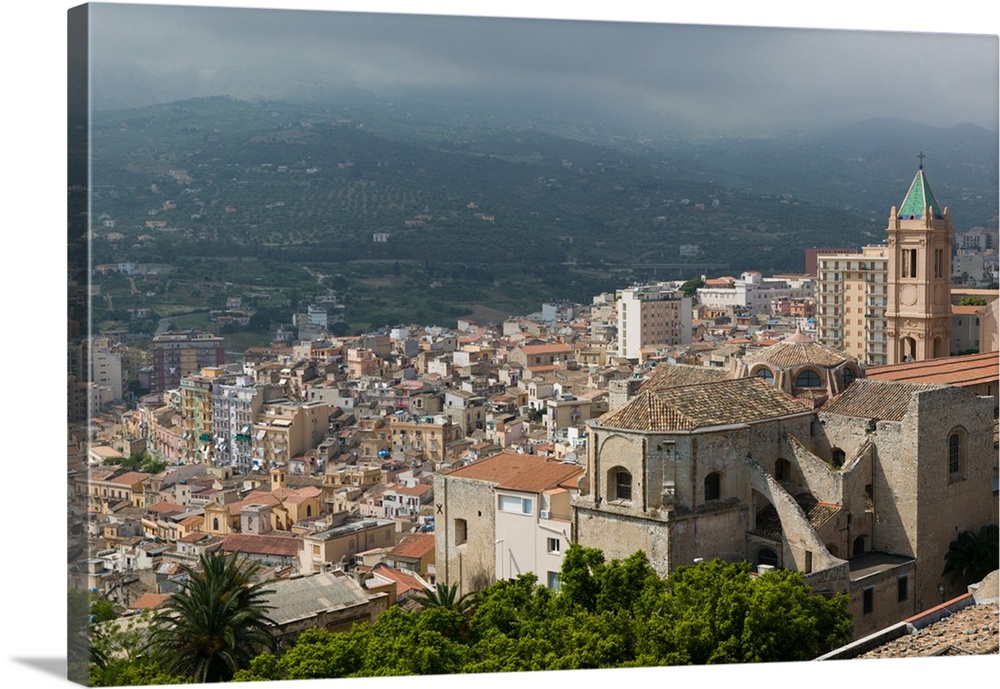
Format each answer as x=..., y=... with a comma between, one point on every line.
x=219, y=176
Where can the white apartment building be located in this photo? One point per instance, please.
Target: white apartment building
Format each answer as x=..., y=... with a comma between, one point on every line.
x=235, y=406
x=755, y=292
x=106, y=369
x=652, y=315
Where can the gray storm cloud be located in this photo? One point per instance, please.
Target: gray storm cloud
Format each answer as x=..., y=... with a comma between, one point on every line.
x=725, y=77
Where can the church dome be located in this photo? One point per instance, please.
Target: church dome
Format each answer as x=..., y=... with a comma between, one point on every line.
x=801, y=367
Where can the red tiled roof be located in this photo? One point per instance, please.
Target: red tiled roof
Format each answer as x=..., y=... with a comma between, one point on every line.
x=150, y=601
x=262, y=544
x=130, y=478
x=405, y=583
x=965, y=370
x=415, y=546
x=418, y=489
x=514, y=471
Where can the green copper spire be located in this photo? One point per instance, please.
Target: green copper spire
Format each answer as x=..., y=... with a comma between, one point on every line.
x=919, y=197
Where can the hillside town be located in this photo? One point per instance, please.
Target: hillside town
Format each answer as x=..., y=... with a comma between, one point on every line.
x=841, y=423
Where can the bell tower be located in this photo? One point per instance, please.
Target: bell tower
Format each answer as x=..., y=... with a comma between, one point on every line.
x=918, y=308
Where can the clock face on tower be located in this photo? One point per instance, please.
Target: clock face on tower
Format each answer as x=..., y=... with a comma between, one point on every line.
x=908, y=295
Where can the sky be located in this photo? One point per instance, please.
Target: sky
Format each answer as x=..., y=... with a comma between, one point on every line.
x=707, y=79
x=33, y=179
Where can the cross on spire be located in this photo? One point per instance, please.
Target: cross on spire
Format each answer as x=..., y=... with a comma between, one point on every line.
x=921, y=157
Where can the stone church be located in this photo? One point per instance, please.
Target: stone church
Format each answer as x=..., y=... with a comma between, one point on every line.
x=862, y=490
x=794, y=459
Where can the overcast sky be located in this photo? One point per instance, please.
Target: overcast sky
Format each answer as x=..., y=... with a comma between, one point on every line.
x=707, y=77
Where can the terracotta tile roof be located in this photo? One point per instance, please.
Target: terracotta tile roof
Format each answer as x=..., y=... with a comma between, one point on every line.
x=675, y=375
x=193, y=522
x=150, y=601
x=791, y=353
x=194, y=537
x=130, y=478
x=743, y=400
x=299, y=495
x=405, y=583
x=262, y=544
x=418, y=489
x=514, y=471
x=875, y=399
x=965, y=370
x=164, y=508
x=414, y=546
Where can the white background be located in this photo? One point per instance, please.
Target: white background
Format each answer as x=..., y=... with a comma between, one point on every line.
x=33, y=386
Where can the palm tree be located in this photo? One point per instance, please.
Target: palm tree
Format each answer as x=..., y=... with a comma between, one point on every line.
x=444, y=596
x=217, y=623
x=972, y=555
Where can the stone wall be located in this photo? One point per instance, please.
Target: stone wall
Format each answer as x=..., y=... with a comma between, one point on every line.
x=471, y=564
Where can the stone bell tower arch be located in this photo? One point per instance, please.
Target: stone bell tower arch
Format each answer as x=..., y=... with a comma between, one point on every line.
x=918, y=309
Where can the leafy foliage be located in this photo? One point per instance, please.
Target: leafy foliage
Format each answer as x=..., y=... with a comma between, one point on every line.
x=217, y=623
x=607, y=614
x=445, y=596
x=972, y=555
x=971, y=300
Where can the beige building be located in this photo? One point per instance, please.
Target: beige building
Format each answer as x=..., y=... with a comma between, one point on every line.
x=852, y=293
x=197, y=415
x=334, y=548
x=918, y=314
x=862, y=494
x=650, y=316
x=501, y=517
x=425, y=437
x=286, y=429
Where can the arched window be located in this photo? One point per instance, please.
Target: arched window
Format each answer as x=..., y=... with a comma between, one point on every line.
x=807, y=379
x=766, y=374
x=623, y=485
x=712, y=486
x=848, y=376
x=907, y=349
x=838, y=457
x=956, y=453
x=860, y=545
x=619, y=485
x=215, y=524
x=767, y=556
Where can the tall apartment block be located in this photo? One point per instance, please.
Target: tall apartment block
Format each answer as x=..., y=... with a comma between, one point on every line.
x=651, y=316
x=183, y=354
x=852, y=294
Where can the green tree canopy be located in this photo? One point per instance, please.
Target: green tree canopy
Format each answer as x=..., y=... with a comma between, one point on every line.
x=970, y=300
x=606, y=614
x=217, y=623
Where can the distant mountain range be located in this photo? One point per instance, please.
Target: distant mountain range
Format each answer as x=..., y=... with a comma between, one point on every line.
x=317, y=183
